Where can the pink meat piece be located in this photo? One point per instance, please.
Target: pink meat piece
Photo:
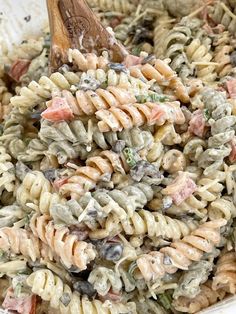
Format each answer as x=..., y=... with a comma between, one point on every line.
x=22, y=305
x=180, y=189
x=231, y=86
x=59, y=183
x=19, y=68
x=197, y=124
x=131, y=60
x=58, y=110
x=232, y=156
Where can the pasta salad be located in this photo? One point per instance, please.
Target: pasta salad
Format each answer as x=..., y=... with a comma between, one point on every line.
x=118, y=180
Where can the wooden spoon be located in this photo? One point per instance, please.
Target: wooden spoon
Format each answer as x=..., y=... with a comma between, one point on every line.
x=74, y=25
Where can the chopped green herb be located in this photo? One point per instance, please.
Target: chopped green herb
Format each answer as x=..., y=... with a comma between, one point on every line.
x=152, y=97
x=206, y=114
x=165, y=300
x=136, y=51
x=129, y=156
x=141, y=98
x=17, y=290
x=104, y=84
x=3, y=256
x=157, y=97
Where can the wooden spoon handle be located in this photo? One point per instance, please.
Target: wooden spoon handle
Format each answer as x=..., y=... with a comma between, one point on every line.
x=60, y=41
x=85, y=30
x=74, y=25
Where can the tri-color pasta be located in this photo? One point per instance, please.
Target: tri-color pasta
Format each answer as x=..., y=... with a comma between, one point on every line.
x=118, y=180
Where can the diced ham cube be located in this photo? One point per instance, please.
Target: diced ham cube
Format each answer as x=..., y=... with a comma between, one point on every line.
x=58, y=110
x=231, y=86
x=59, y=183
x=19, y=68
x=22, y=305
x=180, y=189
x=131, y=60
x=111, y=296
x=232, y=156
x=197, y=124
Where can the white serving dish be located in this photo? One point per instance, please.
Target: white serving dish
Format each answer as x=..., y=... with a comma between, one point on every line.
x=13, y=29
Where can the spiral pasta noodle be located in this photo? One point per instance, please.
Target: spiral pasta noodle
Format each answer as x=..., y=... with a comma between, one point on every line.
x=104, y=279
x=51, y=288
x=88, y=102
x=205, y=298
x=36, y=193
x=88, y=61
x=221, y=208
x=19, y=241
x=222, y=54
x=145, y=223
x=209, y=189
x=123, y=203
x=35, y=93
x=192, y=205
x=180, y=254
x=201, y=56
x=163, y=75
x=122, y=6
x=113, y=78
x=81, y=135
x=221, y=14
x=174, y=42
x=129, y=116
x=67, y=246
x=10, y=214
x=7, y=172
x=222, y=131
x=224, y=277
x=86, y=177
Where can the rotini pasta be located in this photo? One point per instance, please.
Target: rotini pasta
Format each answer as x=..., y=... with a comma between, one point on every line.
x=145, y=223
x=19, y=241
x=201, y=56
x=222, y=54
x=181, y=253
x=129, y=116
x=221, y=14
x=117, y=5
x=67, y=246
x=205, y=298
x=88, y=102
x=163, y=75
x=222, y=124
x=85, y=178
x=51, y=288
x=225, y=273
x=123, y=203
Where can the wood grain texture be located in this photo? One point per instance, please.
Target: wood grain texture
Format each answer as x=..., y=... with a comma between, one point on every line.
x=74, y=25
x=60, y=42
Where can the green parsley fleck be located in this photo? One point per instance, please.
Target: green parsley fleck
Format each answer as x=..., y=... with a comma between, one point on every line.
x=17, y=290
x=129, y=157
x=165, y=300
x=152, y=97
x=206, y=114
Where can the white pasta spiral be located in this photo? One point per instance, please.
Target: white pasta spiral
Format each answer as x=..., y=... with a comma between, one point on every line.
x=123, y=6
x=150, y=224
x=52, y=289
x=222, y=208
